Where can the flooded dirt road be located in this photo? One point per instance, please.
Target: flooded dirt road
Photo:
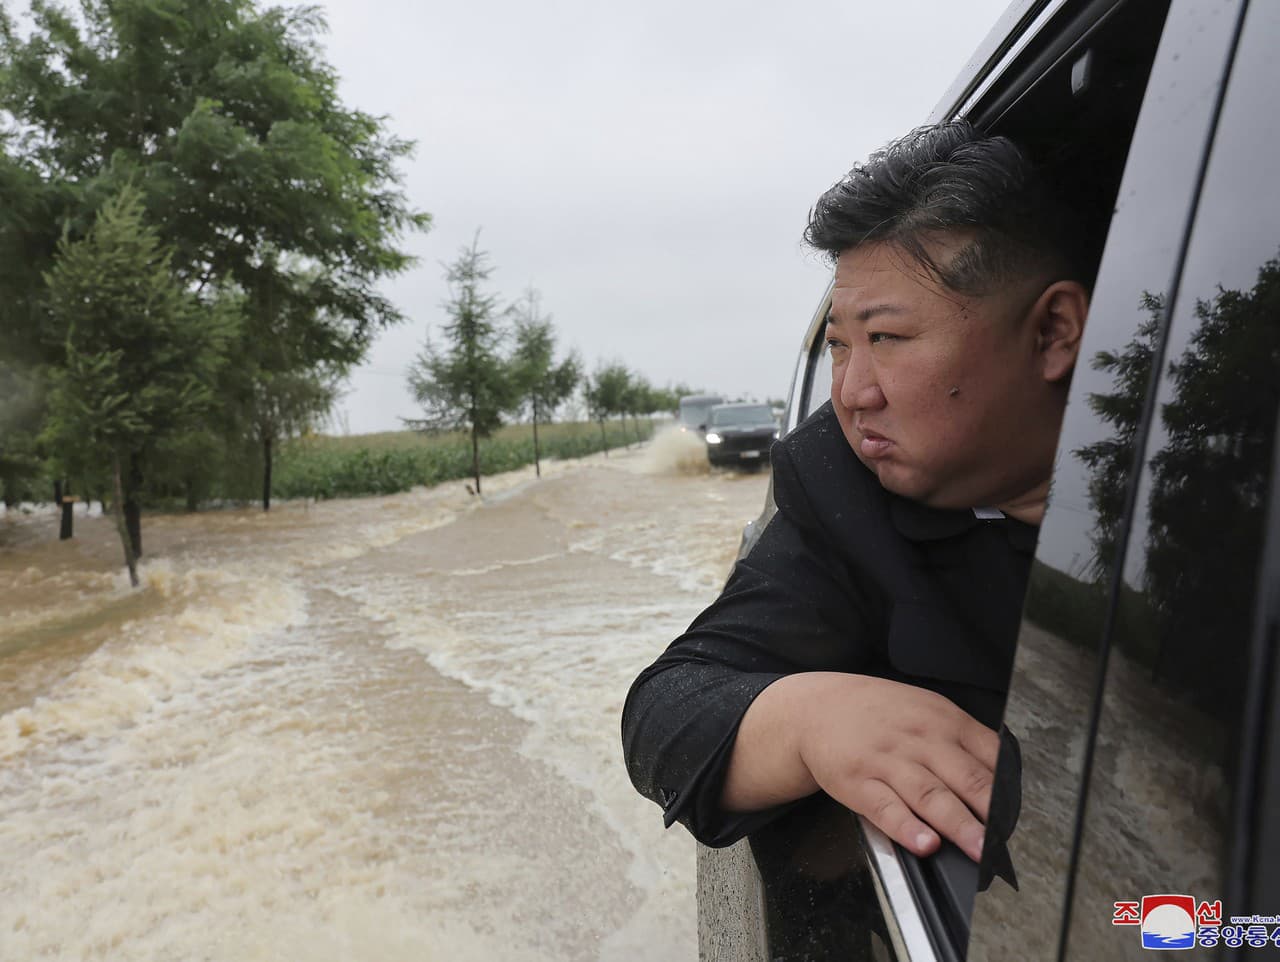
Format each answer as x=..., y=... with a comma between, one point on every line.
x=377, y=729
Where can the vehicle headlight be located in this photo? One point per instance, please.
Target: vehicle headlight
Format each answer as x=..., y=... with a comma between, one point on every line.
x=713, y=438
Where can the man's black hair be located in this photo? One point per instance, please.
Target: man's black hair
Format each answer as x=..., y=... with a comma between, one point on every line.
x=946, y=179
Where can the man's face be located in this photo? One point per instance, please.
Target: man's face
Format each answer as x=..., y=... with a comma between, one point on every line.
x=942, y=395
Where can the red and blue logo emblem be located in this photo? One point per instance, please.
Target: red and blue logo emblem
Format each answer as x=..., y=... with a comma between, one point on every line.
x=1171, y=922
x=1168, y=922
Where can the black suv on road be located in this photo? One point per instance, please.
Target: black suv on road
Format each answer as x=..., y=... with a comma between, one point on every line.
x=740, y=434
x=1145, y=682
x=694, y=410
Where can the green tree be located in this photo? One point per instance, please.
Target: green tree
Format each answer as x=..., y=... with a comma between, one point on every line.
x=666, y=399
x=21, y=412
x=466, y=385
x=593, y=398
x=606, y=395
x=285, y=403
x=140, y=355
x=542, y=384
x=638, y=399
x=257, y=178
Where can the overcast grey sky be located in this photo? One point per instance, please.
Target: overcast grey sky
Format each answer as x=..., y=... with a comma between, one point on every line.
x=647, y=166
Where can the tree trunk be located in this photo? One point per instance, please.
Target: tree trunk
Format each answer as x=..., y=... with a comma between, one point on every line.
x=66, y=530
x=537, y=466
x=64, y=510
x=604, y=442
x=132, y=508
x=475, y=457
x=193, y=502
x=130, y=558
x=266, y=474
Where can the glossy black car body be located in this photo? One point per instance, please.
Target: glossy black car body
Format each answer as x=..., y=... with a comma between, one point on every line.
x=1144, y=687
x=740, y=434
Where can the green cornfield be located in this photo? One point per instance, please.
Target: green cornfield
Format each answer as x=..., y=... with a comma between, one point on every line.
x=321, y=466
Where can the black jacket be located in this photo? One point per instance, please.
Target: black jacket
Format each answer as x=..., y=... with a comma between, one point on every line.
x=845, y=577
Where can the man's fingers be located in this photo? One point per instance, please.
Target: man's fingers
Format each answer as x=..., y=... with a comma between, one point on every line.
x=889, y=813
x=967, y=777
x=934, y=801
x=980, y=742
x=906, y=758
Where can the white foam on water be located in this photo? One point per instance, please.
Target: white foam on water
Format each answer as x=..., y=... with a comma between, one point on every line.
x=213, y=618
x=552, y=670
x=221, y=827
x=675, y=451
x=691, y=555
x=79, y=592
x=497, y=566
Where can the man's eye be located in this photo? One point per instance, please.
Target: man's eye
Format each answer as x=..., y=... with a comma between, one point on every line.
x=833, y=346
x=875, y=337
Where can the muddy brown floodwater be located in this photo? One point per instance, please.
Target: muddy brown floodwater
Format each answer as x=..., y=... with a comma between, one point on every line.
x=375, y=729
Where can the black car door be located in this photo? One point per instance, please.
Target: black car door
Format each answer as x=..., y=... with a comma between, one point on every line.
x=1146, y=582
x=1168, y=772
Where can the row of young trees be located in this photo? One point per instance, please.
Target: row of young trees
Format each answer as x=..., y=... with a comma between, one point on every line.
x=193, y=229
x=494, y=363
x=192, y=232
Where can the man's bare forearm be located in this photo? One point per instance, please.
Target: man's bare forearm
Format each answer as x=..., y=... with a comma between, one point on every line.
x=766, y=767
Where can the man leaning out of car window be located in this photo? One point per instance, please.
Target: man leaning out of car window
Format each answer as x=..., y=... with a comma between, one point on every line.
x=863, y=646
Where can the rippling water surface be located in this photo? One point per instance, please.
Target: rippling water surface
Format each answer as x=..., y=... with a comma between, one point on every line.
x=375, y=729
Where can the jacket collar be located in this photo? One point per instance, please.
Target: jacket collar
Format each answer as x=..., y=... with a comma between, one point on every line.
x=920, y=523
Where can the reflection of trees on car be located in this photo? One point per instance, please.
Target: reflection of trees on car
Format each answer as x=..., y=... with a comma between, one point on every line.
x=1112, y=459
x=1208, y=483
x=1075, y=607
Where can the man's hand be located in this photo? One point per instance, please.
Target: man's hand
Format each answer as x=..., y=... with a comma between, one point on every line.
x=906, y=758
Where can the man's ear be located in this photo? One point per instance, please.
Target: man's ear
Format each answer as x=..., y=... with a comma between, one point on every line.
x=1059, y=315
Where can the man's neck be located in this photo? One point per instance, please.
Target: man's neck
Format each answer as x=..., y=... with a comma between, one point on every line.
x=1029, y=508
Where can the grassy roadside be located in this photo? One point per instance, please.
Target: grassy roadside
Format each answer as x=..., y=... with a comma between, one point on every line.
x=348, y=466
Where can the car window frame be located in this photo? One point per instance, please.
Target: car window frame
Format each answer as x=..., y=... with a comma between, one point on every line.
x=1254, y=866
x=799, y=401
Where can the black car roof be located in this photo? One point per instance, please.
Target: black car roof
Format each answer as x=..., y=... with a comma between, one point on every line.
x=1008, y=30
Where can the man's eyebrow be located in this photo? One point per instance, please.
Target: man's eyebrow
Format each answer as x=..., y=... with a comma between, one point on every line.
x=866, y=313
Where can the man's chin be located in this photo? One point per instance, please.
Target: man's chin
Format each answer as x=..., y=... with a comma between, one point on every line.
x=896, y=479
x=893, y=478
